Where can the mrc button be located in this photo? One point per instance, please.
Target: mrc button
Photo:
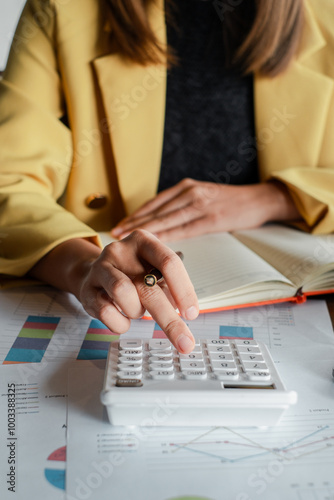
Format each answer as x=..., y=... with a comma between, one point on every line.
x=128, y=382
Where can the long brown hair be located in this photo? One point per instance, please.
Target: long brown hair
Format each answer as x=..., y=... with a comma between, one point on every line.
x=266, y=46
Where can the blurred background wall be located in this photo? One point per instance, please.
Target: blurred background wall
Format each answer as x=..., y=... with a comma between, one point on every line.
x=10, y=11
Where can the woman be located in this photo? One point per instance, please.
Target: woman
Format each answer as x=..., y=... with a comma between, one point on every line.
x=88, y=137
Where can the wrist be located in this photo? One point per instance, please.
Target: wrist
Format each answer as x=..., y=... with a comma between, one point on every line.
x=278, y=203
x=79, y=254
x=67, y=265
x=78, y=269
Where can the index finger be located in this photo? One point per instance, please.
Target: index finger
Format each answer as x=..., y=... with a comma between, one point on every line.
x=157, y=304
x=172, y=269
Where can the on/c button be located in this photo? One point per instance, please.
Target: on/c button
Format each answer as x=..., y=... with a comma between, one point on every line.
x=96, y=200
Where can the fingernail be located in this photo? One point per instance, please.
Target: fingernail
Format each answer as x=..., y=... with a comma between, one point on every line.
x=116, y=231
x=191, y=313
x=124, y=235
x=184, y=344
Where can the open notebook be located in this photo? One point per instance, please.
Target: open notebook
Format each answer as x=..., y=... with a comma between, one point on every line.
x=270, y=264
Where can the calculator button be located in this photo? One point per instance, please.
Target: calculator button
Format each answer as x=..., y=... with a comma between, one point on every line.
x=251, y=357
x=219, y=348
x=131, y=352
x=248, y=349
x=216, y=356
x=227, y=375
x=133, y=367
x=223, y=365
x=129, y=359
x=256, y=376
x=187, y=364
x=129, y=374
x=197, y=349
x=128, y=382
x=244, y=342
x=195, y=374
x=162, y=353
x=162, y=375
x=210, y=342
x=161, y=359
x=131, y=344
x=161, y=366
x=249, y=366
x=194, y=356
x=160, y=344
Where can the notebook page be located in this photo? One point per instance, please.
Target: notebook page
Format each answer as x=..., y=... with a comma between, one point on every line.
x=297, y=255
x=219, y=263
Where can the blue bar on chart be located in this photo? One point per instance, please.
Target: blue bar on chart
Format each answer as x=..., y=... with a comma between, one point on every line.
x=33, y=340
x=96, y=342
x=235, y=332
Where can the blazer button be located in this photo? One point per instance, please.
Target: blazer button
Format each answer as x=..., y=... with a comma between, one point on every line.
x=96, y=200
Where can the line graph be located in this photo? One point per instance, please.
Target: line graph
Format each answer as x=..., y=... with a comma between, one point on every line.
x=307, y=489
x=284, y=452
x=223, y=446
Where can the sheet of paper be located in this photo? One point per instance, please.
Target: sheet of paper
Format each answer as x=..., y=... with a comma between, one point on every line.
x=293, y=253
x=228, y=265
x=293, y=461
x=33, y=403
x=40, y=323
x=156, y=457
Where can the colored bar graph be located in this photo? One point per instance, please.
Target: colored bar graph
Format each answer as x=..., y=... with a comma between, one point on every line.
x=33, y=340
x=235, y=332
x=96, y=342
x=158, y=333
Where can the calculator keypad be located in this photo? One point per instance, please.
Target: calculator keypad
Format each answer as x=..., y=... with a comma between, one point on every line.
x=235, y=362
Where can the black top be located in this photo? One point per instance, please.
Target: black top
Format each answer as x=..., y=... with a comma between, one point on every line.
x=209, y=124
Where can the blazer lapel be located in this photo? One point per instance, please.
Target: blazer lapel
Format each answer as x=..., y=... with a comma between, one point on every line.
x=134, y=101
x=291, y=109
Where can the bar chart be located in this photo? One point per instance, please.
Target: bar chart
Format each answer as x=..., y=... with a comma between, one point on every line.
x=96, y=342
x=32, y=340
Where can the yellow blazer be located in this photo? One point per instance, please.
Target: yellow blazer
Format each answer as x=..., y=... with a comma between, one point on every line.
x=62, y=63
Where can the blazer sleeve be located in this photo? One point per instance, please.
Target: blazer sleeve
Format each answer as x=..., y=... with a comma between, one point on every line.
x=311, y=183
x=36, y=147
x=313, y=193
x=312, y=187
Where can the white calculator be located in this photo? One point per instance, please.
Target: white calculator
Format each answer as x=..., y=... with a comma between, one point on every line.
x=230, y=382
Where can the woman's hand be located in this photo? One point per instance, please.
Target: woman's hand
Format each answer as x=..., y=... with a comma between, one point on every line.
x=110, y=283
x=192, y=208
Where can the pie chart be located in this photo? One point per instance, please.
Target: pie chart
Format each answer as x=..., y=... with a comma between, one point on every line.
x=55, y=470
